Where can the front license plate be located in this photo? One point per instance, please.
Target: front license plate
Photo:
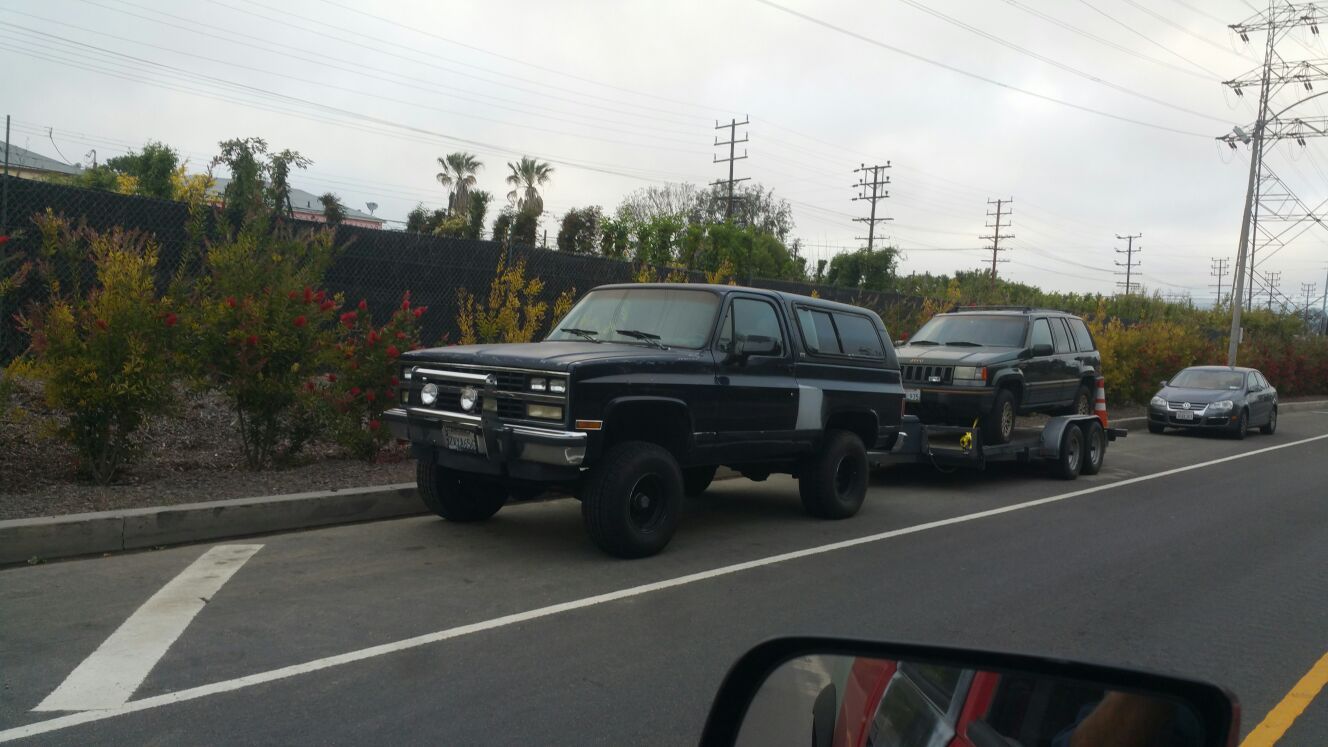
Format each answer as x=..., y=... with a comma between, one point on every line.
x=458, y=440
x=912, y=395
x=1185, y=415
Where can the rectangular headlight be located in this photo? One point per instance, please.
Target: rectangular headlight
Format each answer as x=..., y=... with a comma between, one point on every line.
x=538, y=385
x=558, y=386
x=544, y=412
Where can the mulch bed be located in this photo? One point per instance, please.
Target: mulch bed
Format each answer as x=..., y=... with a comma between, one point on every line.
x=189, y=456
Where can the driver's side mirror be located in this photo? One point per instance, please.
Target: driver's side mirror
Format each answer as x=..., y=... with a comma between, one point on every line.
x=827, y=691
x=1043, y=349
x=1164, y=382
x=753, y=345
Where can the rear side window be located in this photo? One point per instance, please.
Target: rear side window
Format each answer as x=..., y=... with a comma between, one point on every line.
x=819, y=332
x=858, y=337
x=1060, y=335
x=1082, y=338
x=1262, y=380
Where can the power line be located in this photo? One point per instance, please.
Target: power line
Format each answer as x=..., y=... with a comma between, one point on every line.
x=968, y=74
x=1147, y=38
x=1184, y=30
x=1129, y=263
x=878, y=192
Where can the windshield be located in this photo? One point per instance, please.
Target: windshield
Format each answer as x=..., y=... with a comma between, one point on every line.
x=681, y=318
x=961, y=329
x=1198, y=378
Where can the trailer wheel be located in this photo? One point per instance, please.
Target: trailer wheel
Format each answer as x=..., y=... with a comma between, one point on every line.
x=1066, y=465
x=1095, y=448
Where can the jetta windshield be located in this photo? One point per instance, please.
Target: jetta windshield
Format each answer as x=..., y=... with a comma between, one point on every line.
x=680, y=318
x=1201, y=379
x=965, y=329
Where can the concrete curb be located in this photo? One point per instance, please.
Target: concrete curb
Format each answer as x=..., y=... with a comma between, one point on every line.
x=48, y=538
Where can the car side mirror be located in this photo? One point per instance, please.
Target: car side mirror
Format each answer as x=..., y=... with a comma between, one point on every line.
x=1043, y=349
x=753, y=345
x=1164, y=382
x=829, y=691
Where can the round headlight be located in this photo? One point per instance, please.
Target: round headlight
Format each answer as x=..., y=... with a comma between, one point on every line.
x=469, y=397
x=429, y=393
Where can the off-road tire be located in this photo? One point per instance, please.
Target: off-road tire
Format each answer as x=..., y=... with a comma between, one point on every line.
x=630, y=500
x=998, y=424
x=457, y=496
x=833, y=483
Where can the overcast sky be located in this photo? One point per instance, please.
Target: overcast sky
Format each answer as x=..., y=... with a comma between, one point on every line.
x=619, y=95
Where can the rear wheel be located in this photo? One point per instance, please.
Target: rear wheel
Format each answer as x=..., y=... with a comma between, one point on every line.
x=1242, y=426
x=1271, y=427
x=629, y=502
x=833, y=484
x=457, y=496
x=695, y=480
x=998, y=424
x=1095, y=448
x=1071, y=455
x=1083, y=401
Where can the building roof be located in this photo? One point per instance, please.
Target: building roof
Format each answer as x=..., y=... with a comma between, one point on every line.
x=300, y=200
x=22, y=158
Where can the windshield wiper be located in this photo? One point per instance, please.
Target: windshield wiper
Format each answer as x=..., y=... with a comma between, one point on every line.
x=964, y=344
x=588, y=334
x=653, y=340
x=922, y=342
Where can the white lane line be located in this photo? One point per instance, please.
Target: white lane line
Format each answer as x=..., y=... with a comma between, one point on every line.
x=239, y=683
x=1126, y=420
x=108, y=678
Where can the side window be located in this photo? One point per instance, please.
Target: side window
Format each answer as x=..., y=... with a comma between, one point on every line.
x=752, y=318
x=1251, y=381
x=819, y=332
x=1060, y=335
x=1262, y=380
x=1083, y=340
x=858, y=337
x=1041, y=333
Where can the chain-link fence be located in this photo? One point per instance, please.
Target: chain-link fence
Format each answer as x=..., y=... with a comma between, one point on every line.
x=375, y=265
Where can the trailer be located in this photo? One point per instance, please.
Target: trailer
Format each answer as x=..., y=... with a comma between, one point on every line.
x=1070, y=445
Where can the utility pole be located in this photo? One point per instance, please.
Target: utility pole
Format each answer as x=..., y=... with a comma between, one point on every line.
x=1323, y=310
x=1218, y=269
x=1271, y=281
x=732, y=142
x=1002, y=211
x=1308, y=290
x=877, y=185
x=1129, y=263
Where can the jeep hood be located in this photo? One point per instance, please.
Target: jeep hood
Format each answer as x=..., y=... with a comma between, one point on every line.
x=554, y=355
x=954, y=356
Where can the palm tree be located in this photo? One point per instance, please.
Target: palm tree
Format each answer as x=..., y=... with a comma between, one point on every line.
x=458, y=172
x=527, y=176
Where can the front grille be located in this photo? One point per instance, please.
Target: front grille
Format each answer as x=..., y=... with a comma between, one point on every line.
x=1194, y=406
x=511, y=408
x=511, y=381
x=923, y=374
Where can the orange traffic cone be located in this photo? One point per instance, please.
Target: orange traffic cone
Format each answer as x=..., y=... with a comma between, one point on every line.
x=1100, y=401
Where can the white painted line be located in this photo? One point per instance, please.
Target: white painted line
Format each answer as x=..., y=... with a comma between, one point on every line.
x=108, y=678
x=239, y=683
x=1126, y=420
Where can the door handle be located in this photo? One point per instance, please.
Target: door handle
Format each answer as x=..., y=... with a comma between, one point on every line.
x=722, y=380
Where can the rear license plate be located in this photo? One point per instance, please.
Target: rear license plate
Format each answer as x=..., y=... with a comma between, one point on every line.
x=457, y=440
x=912, y=395
x=1185, y=415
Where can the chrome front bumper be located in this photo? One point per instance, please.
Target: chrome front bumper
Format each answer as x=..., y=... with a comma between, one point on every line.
x=499, y=441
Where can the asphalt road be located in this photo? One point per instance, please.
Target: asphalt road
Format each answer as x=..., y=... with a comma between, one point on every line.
x=1215, y=572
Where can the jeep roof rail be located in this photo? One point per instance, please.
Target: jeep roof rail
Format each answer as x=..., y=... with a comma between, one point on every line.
x=1008, y=307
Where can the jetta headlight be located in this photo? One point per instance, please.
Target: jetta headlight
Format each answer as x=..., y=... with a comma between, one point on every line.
x=1158, y=402
x=429, y=393
x=1221, y=406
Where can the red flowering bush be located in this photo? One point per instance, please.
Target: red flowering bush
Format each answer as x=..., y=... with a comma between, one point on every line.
x=365, y=383
x=261, y=327
x=107, y=356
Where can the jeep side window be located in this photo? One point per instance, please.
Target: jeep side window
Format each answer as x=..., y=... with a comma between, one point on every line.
x=858, y=336
x=746, y=318
x=1060, y=335
x=819, y=332
x=1081, y=336
x=1041, y=333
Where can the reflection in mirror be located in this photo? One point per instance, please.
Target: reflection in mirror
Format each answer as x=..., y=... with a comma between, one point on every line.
x=845, y=701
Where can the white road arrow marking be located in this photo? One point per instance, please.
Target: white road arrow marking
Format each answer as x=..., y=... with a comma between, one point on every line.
x=109, y=677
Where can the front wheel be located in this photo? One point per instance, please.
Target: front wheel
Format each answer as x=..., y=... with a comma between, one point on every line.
x=1155, y=428
x=833, y=484
x=457, y=496
x=998, y=425
x=1242, y=426
x=1271, y=427
x=630, y=500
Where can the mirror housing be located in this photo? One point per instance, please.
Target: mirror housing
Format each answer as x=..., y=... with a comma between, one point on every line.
x=1205, y=714
x=1164, y=382
x=1043, y=349
x=753, y=345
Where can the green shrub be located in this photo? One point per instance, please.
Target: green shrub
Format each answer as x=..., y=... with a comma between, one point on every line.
x=107, y=357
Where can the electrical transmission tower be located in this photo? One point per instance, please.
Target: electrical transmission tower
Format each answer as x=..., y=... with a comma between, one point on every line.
x=871, y=180
x=1219, y=270
x=1129, y=264
x=1271, y=77
x=732, y=142
x=1271, y=280
x=1308, y=290
x=996, y=237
